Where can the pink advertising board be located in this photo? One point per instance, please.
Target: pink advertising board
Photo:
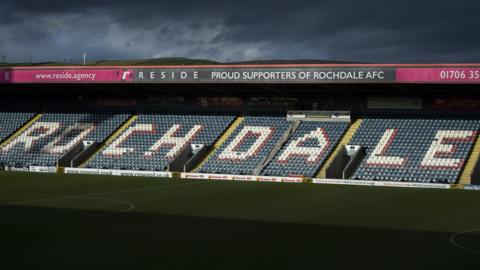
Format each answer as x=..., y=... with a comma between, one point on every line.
x=4, y=76
x=438, y=75
x=65, y=75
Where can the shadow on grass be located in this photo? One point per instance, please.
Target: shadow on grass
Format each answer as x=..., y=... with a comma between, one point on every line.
x=51, y=238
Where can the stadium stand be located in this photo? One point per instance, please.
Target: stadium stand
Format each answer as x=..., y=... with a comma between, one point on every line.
x=53, y=134
x=248, y=146
x=306, y=149
x=415, y=148
x=12, y=121
x=425, y=148
x=152, y=141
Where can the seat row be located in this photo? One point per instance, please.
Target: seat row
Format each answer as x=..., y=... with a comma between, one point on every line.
x=412, y=148
x=416, y=149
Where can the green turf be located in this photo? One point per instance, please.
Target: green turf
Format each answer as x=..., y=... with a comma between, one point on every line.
x=92, y=222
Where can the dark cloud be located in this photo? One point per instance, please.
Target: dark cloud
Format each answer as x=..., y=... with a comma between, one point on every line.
x=369, y=30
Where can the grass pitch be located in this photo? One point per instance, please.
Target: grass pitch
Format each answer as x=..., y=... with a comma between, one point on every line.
x=97, y=222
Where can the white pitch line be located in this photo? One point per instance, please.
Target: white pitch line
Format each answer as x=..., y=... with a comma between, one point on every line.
x=101, y=193
x=130, y=205
x=93, y=196
x=455, y=243
x=143, y=189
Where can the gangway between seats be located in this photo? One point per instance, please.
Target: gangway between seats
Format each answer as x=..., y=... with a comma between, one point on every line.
x=222, y=139
x=188, y=158
x=309, y=144
x=78, y=154
x=339, y=148
x=471, y=171
x=293, y=127
x=346, y=162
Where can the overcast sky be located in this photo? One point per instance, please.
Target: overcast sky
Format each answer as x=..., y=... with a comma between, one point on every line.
x=353, y=30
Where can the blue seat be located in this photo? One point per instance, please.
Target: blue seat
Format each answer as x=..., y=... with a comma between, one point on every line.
x=224, y=161
x=63, y=130
x=413, y=136
x=211, y=127
x=289, y=164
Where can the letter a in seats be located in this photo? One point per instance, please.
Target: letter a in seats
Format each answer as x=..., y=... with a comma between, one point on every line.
x=312, y=153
